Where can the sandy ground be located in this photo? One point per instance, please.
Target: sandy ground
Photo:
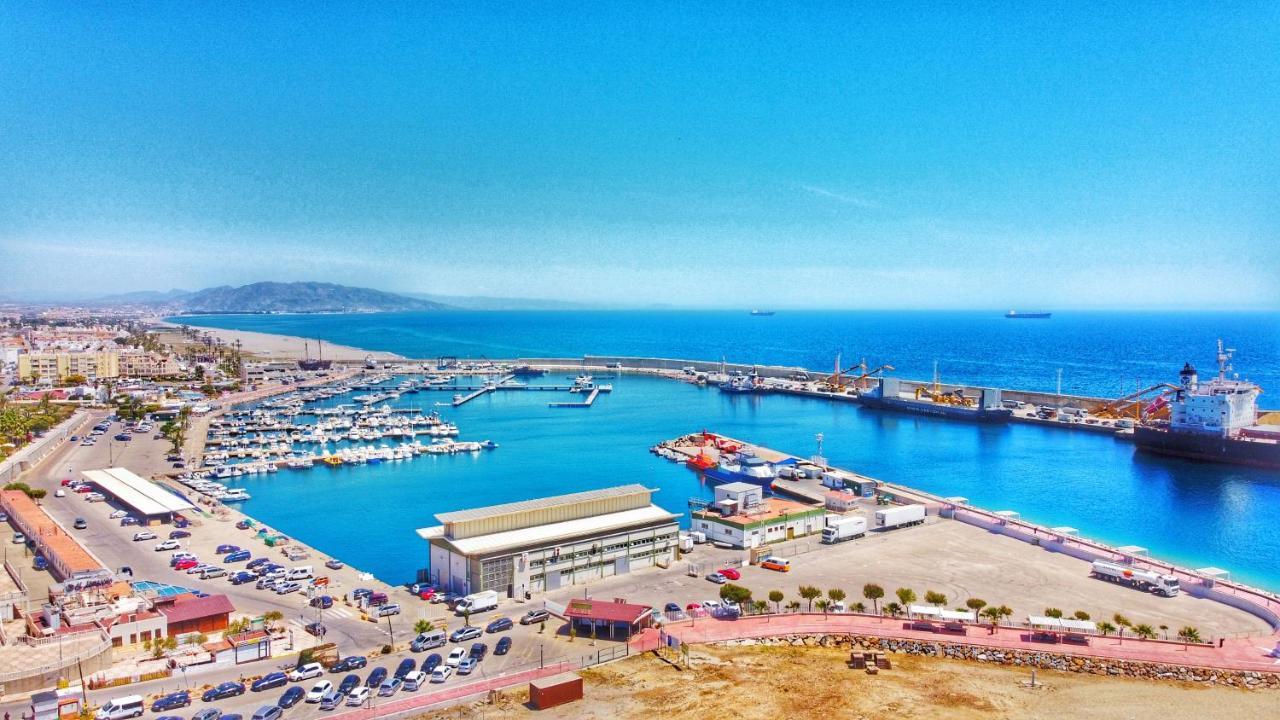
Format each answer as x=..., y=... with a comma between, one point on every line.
x=286, y=347
x=786, y=682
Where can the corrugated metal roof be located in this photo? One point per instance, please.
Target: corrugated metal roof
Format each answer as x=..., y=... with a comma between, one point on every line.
x=138, y=493
x=553, y=532
x=523, y=506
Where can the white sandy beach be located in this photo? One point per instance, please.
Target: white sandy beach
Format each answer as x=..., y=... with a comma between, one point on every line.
x=287, y=347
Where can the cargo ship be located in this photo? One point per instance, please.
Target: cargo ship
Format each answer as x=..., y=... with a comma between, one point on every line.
x=1216, y=421
x=1015, y=315
x=953, y=405
x=762, y=313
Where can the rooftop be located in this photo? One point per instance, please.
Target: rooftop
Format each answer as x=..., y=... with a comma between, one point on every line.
x=551, y=532
x=523, y=506
x=74, y=557
x=183, y=609
x=610, y=611
x=138, y=493
x=770, y=509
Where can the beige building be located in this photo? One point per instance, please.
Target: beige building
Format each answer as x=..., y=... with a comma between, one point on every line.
x=536, y=545
x=142, y=364
x=58, y=365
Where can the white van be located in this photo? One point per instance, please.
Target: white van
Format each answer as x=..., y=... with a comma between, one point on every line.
x=131, y=706
x=302, y=572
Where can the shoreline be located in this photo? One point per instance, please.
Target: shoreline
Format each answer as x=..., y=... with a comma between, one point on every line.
x=283, y=347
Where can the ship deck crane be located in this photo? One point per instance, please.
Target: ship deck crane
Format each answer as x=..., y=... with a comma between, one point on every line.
x=1137, y=403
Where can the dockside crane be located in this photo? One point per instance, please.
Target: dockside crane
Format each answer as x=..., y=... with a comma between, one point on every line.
x=1138, y=404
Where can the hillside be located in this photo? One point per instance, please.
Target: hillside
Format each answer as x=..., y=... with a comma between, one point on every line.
x=298, y=297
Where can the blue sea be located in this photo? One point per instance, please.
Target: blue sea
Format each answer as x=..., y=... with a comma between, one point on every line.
x=1192, y=513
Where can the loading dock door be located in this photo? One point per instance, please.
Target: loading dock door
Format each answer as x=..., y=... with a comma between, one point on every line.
x=622, y=566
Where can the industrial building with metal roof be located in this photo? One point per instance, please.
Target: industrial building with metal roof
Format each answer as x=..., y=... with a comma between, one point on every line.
x=150, y=501
x=534, y=545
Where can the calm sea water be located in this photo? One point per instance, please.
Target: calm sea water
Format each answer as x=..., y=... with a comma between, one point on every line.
x=1196, y=514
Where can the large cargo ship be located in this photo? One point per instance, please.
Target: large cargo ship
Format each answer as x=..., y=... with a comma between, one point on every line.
x=1215, y=421
x=954, y=405
x=1015, y=315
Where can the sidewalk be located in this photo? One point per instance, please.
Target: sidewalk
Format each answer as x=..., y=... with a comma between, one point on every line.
x=1248, y=654
x=454, y=692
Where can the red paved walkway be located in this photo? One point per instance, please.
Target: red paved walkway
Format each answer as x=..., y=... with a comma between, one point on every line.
x=1237, y=654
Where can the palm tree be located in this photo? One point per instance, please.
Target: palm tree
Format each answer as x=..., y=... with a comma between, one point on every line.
x=824, y=605
x=906, y=596
x=992, y=613
x=1164, y=630
x=935, y=598
x=1144, y=631
x=810, y=593
x=775, y=597
x=1189, y=634
x=873, y=592
x=1106, y=628
x=893, y=608
x=793, y=606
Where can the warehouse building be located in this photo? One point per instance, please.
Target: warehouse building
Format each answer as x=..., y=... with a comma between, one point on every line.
x=526, y=547
x=742, y=517
x=149, y=502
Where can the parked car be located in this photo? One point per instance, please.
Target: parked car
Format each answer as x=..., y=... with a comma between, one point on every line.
x=167, y=545
x=376, y=676
x=387, y=610
x=257, y=563
x=432, y=662
x=178, y=534
x=115, y=514
x=464, y=634
x=242, y=577
x=349, y=683
x=186, y=564
x=717, y=578
x=456, y=656
x=467, y=665
x=288, y=587
x=503, y=646
x=291, y=697
x=334, y=564
x=223, y=691
x=225, y=549
x=405, y=667
x=479, y=650
x=414, y=680
x=731, y=573
x=315, y=629
x=270, y=681
x=238, y=556
x=535, y=616
x=80, y=524
x=306, y=672
x=324, y=602
x=207, y=714
x=389, y=686
x=268, y=712
x=671, y=608
x=172, y=701
x=123, y=437
x=332, y=699
x=318, y=691
x=126, y=521
x=499, y=625
x=349, y=663
x=144, y=535
x=441, y=674
x=358, y=697
x=19, y=538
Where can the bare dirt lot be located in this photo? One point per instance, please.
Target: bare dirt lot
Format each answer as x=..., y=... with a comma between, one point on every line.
x=809, y=682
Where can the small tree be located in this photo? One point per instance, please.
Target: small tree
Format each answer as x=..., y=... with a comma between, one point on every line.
x=1005, y=611
x=775, y=597
x=836, y=595
x=1189, y=634
x=1144, y=631
x=793, y=606
x=271, y=617
x=935, y=598
x=735, y=593
x=873, y=592
x=1052, y=612
x=200, y=639
x=423, y=626
x=906, y=596
x=1121, y=622
x=858, y=607
x=810, y=593
x=975, y=604
x=1081, y=615
x=1106, y=628
x=893, y=608
x=466, y=618
x=1164, y=631
x=759, y=607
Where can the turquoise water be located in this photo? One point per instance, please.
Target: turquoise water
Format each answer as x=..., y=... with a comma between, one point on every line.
x=1191, y=513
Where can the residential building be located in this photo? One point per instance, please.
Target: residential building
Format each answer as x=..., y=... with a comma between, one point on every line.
x=143, y=364
x=525, y=547
x=58, y=366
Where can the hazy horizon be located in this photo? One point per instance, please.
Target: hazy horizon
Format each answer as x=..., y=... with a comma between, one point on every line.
x=784, y=157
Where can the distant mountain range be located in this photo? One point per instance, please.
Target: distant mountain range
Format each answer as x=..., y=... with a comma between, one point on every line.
x=298, y=297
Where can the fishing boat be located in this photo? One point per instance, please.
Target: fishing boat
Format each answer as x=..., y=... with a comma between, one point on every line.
x=743, y=466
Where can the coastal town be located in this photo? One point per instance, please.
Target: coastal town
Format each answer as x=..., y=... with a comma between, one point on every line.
x=136, y=583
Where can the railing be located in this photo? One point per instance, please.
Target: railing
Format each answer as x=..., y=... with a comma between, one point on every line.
x=66, y=661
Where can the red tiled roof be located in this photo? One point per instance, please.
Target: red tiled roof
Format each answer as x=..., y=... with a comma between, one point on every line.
x=197, y=608
x=604, y=610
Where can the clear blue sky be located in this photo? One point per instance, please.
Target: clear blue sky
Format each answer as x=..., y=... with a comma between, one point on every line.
x=1017, y=154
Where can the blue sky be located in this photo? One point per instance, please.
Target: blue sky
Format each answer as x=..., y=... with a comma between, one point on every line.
x=796, y=155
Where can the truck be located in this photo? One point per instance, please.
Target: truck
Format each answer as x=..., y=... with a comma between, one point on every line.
x=1135, y=577
x=844, y=528
x=890, y=518
x=477, y=602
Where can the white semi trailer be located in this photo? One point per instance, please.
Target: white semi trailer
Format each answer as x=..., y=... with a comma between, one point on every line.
x=842, y=529
x=1139, y=578
x=890, y=518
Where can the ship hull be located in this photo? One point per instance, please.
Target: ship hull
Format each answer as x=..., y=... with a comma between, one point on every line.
x=950, y=412
x=721, y=476
x=1028, y=316
x=1209, y=448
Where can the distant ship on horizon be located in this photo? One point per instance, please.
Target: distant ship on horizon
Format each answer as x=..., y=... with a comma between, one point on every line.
x=1015, y=315
x=762, y=313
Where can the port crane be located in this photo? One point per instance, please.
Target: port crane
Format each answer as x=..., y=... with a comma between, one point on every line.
x=839, y=379
x=1145, y=403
